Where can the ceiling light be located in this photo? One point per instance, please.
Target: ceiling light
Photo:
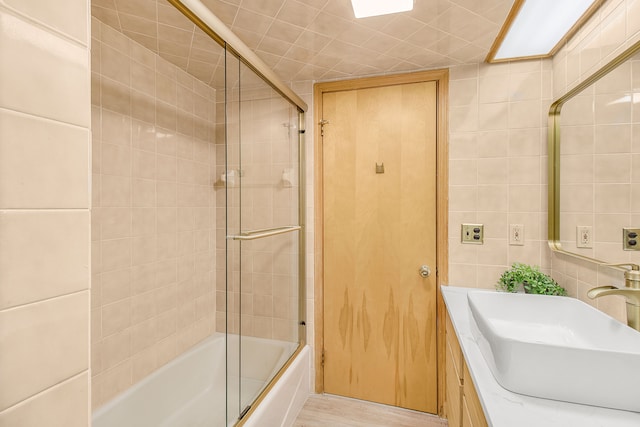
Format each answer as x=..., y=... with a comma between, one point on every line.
x=537, y=28
x=365, y=8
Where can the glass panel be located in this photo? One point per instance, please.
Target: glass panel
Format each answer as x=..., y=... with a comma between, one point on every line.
x=261, y=177
x=233, y=191
x=268, y=177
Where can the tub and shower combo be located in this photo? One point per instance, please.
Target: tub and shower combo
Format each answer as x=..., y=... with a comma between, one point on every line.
x=251, y=366
x=192, y=390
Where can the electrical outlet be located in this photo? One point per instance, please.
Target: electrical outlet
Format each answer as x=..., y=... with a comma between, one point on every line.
x=516, y=234
x=584, y=236
x=472, y=233
x=630, y=238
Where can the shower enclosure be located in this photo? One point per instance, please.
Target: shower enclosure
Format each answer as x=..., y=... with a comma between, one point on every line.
x=197, y=218
x=263, y=229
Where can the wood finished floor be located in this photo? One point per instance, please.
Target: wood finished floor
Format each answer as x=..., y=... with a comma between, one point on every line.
x=334, y=411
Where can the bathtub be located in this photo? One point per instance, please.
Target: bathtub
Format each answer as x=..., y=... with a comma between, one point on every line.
x=190, y=390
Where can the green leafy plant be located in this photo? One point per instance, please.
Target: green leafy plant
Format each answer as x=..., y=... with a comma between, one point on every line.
x=532, y=280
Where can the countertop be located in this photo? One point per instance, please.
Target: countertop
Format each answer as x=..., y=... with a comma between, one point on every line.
x=503, y=408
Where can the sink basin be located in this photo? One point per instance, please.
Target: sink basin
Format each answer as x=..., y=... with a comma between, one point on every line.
x=557, y=348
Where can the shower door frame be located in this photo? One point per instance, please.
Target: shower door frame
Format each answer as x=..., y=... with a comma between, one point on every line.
x=302, y=312
x=204, y=19
x=441, y=77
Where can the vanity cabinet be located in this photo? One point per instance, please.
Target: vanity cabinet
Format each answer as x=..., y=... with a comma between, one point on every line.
x=454, y=385
x=462, y=405
x=472, y=414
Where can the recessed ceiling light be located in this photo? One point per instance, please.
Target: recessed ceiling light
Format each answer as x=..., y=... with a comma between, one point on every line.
x=365, y=8
x=537, y=28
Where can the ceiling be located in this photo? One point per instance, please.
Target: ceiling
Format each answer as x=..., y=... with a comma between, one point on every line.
x=315, y=39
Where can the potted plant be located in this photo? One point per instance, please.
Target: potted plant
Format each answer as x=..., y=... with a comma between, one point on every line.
x=532, y=280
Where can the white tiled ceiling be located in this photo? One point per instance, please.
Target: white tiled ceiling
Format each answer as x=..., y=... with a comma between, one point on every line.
x=317, y=39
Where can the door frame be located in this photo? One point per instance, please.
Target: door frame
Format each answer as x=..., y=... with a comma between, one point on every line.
x=441, y=77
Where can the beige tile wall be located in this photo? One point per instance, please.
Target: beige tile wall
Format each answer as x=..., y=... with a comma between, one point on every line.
x=44, y=213
x=153, y=224
x=610, y=31
x=497, y=167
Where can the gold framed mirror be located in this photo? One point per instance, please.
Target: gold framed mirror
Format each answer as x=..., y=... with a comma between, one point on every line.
x=594, y=165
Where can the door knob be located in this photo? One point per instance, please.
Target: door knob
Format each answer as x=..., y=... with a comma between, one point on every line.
x=424, y=271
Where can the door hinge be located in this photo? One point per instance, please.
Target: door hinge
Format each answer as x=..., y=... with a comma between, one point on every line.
x=322, y=358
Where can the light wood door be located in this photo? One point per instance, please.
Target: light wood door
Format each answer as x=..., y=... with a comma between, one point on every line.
x=379, y=229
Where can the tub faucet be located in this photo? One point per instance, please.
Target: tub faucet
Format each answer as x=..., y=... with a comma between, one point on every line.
x=631, y=292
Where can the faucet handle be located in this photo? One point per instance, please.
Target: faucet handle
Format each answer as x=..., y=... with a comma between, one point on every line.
x=631, y=277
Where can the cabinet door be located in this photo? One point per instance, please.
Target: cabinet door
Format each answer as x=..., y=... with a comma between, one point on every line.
x=452, y=340
x=454, y=391
x=466, y=416
x=453, y=373
x=471, y=401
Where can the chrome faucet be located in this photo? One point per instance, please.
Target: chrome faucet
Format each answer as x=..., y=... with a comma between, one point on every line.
x=631, y=292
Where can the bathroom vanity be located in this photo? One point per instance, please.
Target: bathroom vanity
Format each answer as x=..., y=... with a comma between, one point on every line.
x=474, y=398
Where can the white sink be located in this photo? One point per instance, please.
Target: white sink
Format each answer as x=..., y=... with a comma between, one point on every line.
x=557, y=348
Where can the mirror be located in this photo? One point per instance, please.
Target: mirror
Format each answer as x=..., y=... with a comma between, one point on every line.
x=594, y=164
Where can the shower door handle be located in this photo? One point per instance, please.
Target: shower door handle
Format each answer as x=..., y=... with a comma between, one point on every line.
x=424, y=271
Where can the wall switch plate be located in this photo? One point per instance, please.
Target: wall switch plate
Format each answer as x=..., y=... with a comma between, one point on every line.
x=473, y=234
x=631, y=239
x=584, y=236
x=516, y=234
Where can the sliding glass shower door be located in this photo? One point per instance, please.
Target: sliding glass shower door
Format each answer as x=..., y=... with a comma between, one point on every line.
x=264, y=234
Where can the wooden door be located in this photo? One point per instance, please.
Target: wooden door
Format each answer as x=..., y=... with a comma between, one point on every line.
x=379, y=229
